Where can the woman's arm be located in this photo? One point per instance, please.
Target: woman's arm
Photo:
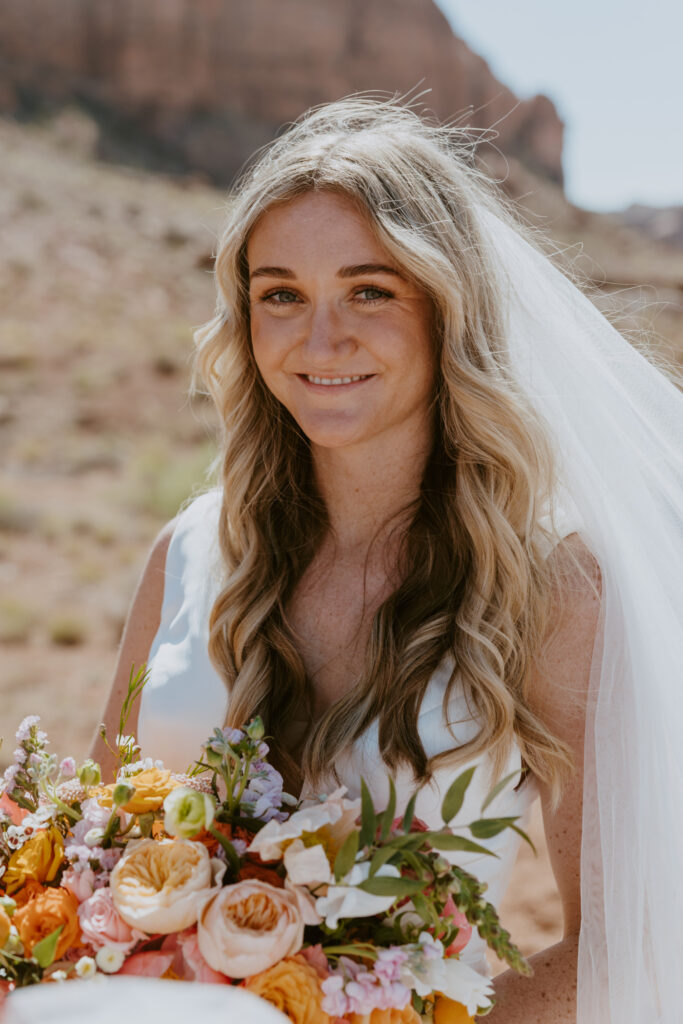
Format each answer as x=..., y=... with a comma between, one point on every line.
x=139, y=632
x=558, y=696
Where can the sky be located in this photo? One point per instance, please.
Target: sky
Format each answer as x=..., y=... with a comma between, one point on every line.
x=615, y=73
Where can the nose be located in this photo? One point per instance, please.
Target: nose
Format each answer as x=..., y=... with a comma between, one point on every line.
x=327, y=337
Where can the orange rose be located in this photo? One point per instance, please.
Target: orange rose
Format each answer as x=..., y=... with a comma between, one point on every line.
x=405, y=1016
x=38, y=859
x=447, y=1011
x=293, y=987
x=5, y=925
x=152, y=786
x=43, y=913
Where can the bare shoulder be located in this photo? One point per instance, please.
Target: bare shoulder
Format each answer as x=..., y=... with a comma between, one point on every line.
x=140, y=629
x=562, y=668
x=559, y=696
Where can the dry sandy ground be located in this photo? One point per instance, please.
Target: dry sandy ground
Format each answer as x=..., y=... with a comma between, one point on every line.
x=103, y=276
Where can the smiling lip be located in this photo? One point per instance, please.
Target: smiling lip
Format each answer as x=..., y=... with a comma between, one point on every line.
x=329, y=382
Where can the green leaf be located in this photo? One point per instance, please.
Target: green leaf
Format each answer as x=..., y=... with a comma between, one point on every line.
x=383, y=885
x=380, y=858
x=368, y=817
x=525, y=837
x=44, y=951
x=452, y=802
x=390, y=812
x=498, y=788
x=346, y=857
x=409, y=813
x=445, y=841
x=485, y=828
x=425, y=909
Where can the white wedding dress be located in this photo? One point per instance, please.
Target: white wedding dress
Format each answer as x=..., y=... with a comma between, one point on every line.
x=184, y=699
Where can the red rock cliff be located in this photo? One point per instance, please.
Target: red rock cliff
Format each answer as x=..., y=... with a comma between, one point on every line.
x=206, y=81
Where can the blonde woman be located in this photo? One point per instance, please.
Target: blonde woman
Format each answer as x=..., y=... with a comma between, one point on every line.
x=411, y=562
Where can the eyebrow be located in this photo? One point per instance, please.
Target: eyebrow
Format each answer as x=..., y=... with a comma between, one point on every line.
x=359, y=270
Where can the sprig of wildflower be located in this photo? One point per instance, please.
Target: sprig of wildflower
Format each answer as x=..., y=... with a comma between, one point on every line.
x=126, y=747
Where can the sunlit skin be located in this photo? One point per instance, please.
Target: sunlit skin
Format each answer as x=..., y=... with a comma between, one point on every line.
x=328, y=301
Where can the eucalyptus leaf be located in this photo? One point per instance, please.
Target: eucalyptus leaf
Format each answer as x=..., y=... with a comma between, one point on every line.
x=453, y=800
x=485, y=828
x=383, y=885
x=368, y=816
x=346, y=857
x=45, y=950
x=498, y=788
x=445, y=841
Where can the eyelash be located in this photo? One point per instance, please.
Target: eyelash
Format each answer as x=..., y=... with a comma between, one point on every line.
x=382, y=294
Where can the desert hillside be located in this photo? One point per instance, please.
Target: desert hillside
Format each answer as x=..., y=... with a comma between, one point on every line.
x=104, y=273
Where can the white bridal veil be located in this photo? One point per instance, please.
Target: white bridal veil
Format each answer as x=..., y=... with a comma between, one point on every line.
x=617, y=424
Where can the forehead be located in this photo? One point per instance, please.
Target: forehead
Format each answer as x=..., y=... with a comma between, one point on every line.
x=312, y=221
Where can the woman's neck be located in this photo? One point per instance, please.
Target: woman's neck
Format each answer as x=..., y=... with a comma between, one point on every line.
x=367, y=487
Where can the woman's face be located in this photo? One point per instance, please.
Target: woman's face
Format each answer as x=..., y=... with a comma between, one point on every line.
x=340, y=337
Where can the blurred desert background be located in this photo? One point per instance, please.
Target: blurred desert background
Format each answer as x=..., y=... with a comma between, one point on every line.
x=122, y=126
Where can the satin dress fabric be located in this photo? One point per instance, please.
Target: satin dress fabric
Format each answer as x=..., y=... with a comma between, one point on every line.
x=184, y=699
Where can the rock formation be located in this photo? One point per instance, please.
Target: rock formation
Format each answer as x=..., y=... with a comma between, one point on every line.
x=204, y=82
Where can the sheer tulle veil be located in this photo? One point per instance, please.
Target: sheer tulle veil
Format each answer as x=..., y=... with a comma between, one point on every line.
x=617, y=425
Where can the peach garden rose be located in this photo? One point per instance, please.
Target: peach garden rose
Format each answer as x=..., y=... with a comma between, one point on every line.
x=246, y=928
x=159, y=886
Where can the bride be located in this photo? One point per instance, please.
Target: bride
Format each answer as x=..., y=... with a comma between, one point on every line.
x=429, y=533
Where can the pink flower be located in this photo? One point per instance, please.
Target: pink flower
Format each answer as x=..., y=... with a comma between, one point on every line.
x=102, y=925
x=148, y=965
x=80, y=883
x=315, y=956
x=461, y=923
x=188, y=962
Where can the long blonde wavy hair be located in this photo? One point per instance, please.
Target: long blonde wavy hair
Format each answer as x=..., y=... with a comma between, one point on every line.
x=474, y=580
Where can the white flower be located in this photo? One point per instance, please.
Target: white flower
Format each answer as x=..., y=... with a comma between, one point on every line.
x=109, y=959
x=345, y=900
x=19, y=755
x=93, y=837
x=187, y=812
x=25, y=728
x=307, y=865
x=332, y=819
x=427, y=970
x=86, y=967
x=58, y=976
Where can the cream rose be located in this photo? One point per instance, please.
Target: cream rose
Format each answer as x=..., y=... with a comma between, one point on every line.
x=247, y=927
x=159, y=886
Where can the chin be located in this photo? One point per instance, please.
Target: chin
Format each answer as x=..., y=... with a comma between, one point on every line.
x=332, y=435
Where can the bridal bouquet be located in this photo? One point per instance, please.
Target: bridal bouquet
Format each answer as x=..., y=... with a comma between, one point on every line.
x=332, y=911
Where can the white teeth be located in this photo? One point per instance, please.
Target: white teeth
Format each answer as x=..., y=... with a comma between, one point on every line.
x=335, y=380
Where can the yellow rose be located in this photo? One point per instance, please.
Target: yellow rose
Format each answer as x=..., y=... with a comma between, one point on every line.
x=5, y=925
x=293, y=987
x=393, y=1016
x=159, y=886
x=152, y=786
x=447, y=1011
x=38, y=859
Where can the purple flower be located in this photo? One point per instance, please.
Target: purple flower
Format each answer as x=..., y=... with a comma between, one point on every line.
x=352, y=988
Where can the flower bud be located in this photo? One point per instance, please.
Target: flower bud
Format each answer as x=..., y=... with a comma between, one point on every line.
x=93, y=837
x=123, y=792
x=212, y=757
x=255, y=730
x=187, y=812
x=89, y=773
